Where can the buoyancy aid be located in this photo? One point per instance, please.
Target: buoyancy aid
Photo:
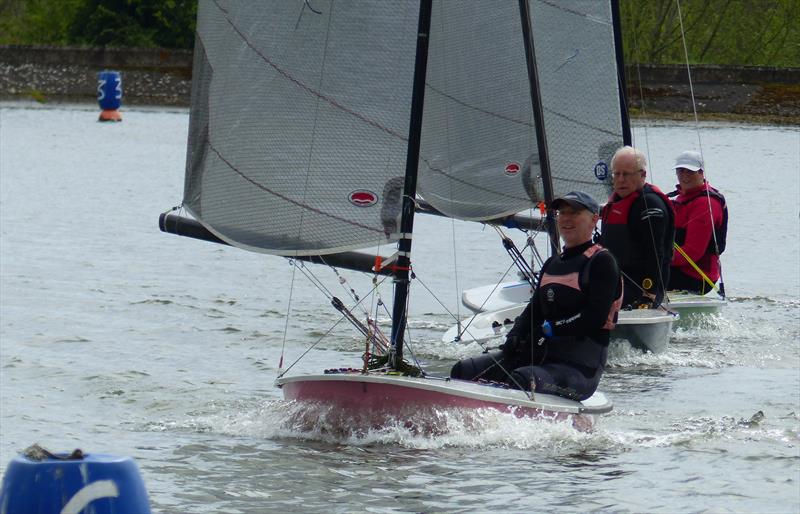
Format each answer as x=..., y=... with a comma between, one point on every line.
x=617, y=233
x=720, y=226
x=562, y=297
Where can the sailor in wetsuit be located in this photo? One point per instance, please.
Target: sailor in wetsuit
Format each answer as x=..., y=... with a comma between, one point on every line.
x=639, y=229
x=559, y=344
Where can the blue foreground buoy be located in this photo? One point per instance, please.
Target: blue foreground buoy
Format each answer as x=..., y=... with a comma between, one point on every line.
x=109, y=95
x=46, y=483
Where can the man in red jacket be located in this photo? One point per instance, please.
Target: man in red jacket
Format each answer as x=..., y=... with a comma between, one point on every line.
x=701, y=224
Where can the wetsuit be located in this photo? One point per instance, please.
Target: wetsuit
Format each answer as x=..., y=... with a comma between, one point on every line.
x=639, y=230
x=698, y=233
x=579, y=293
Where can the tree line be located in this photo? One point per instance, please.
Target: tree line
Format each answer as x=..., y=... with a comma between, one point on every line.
x=739, y=32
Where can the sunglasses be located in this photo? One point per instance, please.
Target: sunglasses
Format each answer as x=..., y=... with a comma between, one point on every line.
x=684, y=170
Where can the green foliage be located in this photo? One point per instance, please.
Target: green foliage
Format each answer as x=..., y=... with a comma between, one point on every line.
x=114, y=23
x=40, y=22
x=134, y=23
x=746, y=32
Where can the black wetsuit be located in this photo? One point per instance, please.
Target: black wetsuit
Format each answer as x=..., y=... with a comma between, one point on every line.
x=639, y=230
x=579, y=293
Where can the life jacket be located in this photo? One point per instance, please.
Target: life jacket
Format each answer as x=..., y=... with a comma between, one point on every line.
x=720, y=232
x=562, y=297
x=618, y=236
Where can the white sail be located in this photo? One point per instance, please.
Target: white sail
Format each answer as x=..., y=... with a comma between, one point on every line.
x=300, y=115
x=299, y=122
x=578, y=81
x=478, y=131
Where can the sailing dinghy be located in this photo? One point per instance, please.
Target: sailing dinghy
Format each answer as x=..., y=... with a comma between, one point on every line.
x=315, y=125
x=645, y=329
x=508, y=294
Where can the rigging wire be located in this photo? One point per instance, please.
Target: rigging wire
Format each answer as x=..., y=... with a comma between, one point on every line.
x=721, y=290
x=648, y=159
x=446, y=118
x=301, y=222
x=346, y=314
x=525, y=270
x=286, y=323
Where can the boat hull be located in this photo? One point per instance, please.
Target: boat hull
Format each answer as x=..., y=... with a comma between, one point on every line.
x=386, y=397
x=646, y=329
x=694, y=309
x=508, y=294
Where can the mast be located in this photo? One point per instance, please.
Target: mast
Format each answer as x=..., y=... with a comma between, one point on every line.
x=623, y=103
x=399, y=314
x=538, y=119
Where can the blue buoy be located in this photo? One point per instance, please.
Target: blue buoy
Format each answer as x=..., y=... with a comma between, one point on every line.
x=109, y=95
x=40, y=482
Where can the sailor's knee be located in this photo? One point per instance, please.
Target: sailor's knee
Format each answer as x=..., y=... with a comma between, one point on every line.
x=457, y=371
x=522, y=378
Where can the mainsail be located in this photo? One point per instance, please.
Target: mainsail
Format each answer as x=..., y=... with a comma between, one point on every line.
x=579, y=89
x=479, y=139
x=300, y=115
x=299, y=123
x=478, y=131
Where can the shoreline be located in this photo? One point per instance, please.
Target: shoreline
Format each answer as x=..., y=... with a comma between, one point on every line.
x=637, y=118
x=161, y=77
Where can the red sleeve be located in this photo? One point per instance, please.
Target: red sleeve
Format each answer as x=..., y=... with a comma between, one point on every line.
x=698, y=229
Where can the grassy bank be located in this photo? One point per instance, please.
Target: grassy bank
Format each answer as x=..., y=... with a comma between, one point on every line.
x=726, y=32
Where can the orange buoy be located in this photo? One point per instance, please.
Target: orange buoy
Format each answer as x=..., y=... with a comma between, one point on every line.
x=110, y=115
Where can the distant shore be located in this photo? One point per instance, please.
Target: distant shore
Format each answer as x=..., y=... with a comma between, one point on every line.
x=163, y=77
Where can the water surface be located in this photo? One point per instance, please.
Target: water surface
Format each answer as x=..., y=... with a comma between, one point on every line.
x=117, y=338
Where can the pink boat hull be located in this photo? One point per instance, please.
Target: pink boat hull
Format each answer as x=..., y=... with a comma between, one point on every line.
x=379, y=401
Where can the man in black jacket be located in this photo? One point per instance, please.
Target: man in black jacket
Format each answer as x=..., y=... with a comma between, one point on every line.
x=559, y=344
x=639, y=229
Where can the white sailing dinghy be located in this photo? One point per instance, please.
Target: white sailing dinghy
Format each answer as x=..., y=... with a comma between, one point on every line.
x=496, y=306
x=315, y=124
x=646, y=329
x=508, y=294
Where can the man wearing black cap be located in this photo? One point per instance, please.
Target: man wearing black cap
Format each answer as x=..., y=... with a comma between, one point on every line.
x=559, y=344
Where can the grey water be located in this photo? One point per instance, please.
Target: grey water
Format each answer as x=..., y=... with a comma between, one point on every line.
x=117, y=338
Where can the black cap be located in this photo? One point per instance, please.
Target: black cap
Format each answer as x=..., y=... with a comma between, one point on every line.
x=577, y=199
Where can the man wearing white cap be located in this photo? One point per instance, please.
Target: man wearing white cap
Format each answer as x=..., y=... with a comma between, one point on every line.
x=701, y=225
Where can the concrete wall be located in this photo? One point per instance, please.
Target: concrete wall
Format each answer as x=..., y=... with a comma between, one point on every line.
x=149, y=77
x=163, y=77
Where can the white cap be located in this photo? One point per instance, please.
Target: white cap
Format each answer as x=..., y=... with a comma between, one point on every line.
x=689, y=160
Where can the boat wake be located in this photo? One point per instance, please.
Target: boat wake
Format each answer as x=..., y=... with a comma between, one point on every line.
x=483, y=428
x=705, y=430
x=427, y=429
